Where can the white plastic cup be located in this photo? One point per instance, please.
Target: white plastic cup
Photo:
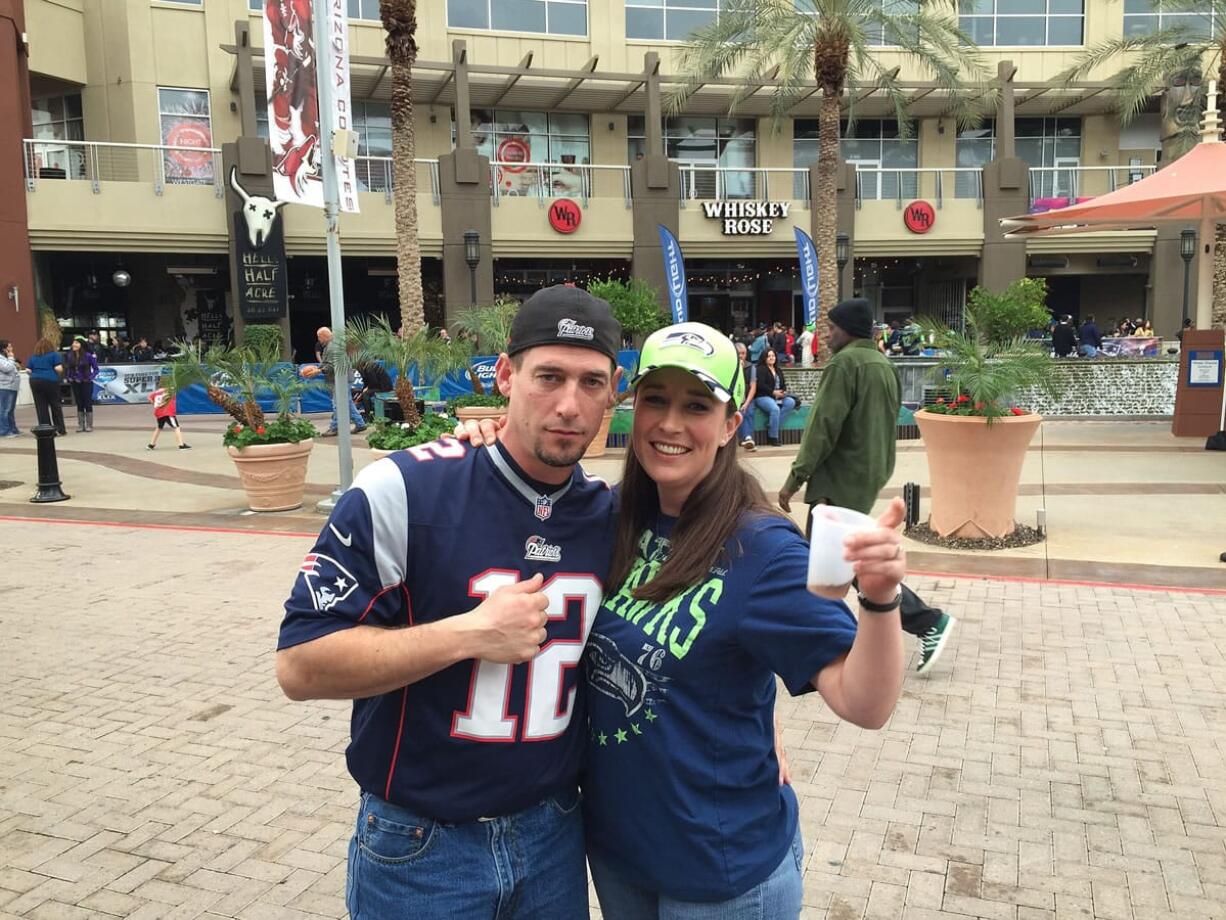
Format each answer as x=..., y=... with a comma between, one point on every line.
x=830, y=575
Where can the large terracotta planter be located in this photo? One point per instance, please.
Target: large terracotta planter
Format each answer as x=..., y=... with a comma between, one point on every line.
x=273, y=475
x=974, y=469
x=600, y=442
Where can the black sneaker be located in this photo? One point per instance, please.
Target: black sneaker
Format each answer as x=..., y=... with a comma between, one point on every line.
x=932, y=643
x=185, y=447
x=151, y=447
x=330, y=433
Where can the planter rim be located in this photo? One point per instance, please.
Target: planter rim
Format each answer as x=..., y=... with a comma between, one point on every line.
x=287, y=446
x=978, y=419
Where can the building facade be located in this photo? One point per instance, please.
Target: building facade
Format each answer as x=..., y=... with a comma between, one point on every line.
x=540, y=125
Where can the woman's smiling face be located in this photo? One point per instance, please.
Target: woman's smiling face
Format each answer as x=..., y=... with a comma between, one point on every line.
x=678, y=427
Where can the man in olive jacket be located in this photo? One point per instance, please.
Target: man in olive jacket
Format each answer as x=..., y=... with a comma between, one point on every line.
x=847, y=452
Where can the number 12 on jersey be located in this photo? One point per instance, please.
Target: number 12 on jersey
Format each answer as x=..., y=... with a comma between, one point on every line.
x=546, y=714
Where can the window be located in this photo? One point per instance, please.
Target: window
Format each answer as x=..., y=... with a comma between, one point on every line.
x=1144, y=17
x=710, y=142
x=508, y=137
x=875, y=143
x=364, y=9
x=669, y=20
x=184, y=118
x=58, y=118
x=549, y=17
x=186, y=2
x=874, y=33
x=1022, y=22
x=1043, y=143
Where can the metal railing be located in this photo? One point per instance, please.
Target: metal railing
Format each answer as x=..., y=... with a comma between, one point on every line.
x=876, y=183
x=97, y=162
x=552, y=180
x=1053, y=187
x=377, y=174
x=743, y=183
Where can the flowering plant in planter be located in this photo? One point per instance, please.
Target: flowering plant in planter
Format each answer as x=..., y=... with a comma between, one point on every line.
x=964, y=405
x=284, y=429
x=388, y=435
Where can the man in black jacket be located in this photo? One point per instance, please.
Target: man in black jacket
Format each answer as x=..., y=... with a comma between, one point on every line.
x=1091, y=338
x=1064, y=337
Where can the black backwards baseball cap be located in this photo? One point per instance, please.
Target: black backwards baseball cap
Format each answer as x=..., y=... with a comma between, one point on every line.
x=565, y=315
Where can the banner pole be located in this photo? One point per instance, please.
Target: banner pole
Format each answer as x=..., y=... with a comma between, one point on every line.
x=322, y=32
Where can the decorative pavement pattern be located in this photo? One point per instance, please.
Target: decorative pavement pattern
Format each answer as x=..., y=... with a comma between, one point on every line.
x=1065, y=759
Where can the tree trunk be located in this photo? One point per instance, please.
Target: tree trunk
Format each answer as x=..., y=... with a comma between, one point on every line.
x=408, y=400
x=827, y=218
x=1218, y=315
x=400, y=22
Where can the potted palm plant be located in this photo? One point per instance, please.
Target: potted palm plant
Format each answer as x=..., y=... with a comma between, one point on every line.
x=489, y=330
x=975, y=437
x=420, y=353
x=271, y=454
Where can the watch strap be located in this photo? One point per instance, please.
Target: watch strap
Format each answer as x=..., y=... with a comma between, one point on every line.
x=866, y=604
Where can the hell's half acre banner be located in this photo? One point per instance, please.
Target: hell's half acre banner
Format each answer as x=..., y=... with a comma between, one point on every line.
x=297, y=131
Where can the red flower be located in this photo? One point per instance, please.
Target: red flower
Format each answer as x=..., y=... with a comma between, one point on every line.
x=979, y=406
x=1016, y=411
x=261, y=430
x=940, y=400
x=963, y=398
x=237, y=428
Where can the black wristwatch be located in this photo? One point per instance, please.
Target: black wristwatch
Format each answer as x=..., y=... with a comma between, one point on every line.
x=866, y=604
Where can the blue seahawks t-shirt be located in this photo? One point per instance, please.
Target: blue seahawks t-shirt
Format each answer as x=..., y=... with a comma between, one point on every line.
x=426, y=534
x=681, y=783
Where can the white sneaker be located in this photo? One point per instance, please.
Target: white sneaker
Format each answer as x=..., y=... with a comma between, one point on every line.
x=748, y=444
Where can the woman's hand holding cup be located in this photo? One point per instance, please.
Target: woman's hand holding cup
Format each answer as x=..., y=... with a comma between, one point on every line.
x=877, y=556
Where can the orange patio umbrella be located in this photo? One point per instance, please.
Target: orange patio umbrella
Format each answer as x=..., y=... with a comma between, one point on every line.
x=1192, y=189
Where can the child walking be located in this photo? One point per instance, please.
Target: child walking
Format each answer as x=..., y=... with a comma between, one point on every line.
x=163, y=399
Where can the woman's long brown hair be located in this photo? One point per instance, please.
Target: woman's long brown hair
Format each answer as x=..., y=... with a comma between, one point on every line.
x=708, y=518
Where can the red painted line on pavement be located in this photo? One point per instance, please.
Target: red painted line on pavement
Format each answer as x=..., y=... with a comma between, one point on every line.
x=184, y=527
x=1126, y=586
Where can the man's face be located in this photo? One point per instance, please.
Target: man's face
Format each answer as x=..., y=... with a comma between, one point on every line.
x=839, y=338
x=558, y=395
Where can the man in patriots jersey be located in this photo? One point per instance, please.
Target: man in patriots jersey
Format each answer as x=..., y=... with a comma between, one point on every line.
x=450, y=596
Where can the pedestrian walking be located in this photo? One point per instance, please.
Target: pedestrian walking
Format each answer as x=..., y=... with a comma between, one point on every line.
x=163, y=399
x=332, y=358
x=10, y=385
x=46, y=371
x=80, y=368
x=847, y=451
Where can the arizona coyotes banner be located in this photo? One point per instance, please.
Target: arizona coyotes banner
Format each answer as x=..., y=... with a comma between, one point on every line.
x=296, y=132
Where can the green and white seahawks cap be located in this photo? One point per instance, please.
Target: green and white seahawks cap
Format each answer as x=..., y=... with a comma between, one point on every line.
x=706, y=353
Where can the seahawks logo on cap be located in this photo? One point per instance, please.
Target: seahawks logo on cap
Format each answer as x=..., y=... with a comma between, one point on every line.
x=689, y=339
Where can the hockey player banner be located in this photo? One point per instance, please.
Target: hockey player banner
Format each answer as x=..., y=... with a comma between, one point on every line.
x=291, y=81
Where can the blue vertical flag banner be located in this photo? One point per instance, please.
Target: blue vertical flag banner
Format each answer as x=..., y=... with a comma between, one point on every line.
x=674, y=275
x=806, y=252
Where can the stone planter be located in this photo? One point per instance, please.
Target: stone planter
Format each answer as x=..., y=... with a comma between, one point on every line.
x=600, y=442
x=273, y=475
x=974, y=470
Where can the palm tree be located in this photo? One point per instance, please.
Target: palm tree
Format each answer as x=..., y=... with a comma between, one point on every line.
x=421, y=352
x=490, y=330
x=836, y=42
x=400, y=22
x=1172, y=57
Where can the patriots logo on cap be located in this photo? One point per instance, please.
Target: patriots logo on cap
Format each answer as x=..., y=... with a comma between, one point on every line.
x=690, y=340
x=327, y=581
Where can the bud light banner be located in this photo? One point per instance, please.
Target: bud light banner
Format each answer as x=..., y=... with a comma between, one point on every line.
x=674, y=275
x=806, y=252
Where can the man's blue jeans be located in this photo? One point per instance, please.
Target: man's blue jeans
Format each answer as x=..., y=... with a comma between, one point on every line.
x=778, y=410
x=745, y=429
x=524, y=866
x=8, y=408
x=777, y=898
x=355, y=414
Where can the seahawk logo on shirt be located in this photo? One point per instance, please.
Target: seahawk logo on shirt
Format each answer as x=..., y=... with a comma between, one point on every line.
x=537, y=550
x=327, y=581
x=569, y=329
x=690, y=340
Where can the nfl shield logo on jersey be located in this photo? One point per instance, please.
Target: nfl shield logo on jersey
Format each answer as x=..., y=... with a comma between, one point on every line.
x=544, y=507
x=327, y=581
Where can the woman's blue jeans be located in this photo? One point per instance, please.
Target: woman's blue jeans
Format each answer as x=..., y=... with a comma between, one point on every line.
x=778, y=410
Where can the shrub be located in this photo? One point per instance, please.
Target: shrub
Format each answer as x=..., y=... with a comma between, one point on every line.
x=1012, y=313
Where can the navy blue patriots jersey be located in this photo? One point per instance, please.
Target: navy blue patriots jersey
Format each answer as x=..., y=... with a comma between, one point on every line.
x=429, y=533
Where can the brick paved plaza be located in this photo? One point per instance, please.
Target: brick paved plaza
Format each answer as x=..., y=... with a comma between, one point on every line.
x=1065, y=758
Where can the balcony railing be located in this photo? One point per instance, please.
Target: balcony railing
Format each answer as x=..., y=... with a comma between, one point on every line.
x=760, y=183
x=543, y=181
x=377, y=174
x=876, y=183
x=1053, y=187
x=97, y=162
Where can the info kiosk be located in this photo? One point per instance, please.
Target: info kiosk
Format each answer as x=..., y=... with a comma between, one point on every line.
x=1200, y=400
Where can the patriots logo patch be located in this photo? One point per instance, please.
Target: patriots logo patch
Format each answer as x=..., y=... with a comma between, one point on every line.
x=327, y=581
